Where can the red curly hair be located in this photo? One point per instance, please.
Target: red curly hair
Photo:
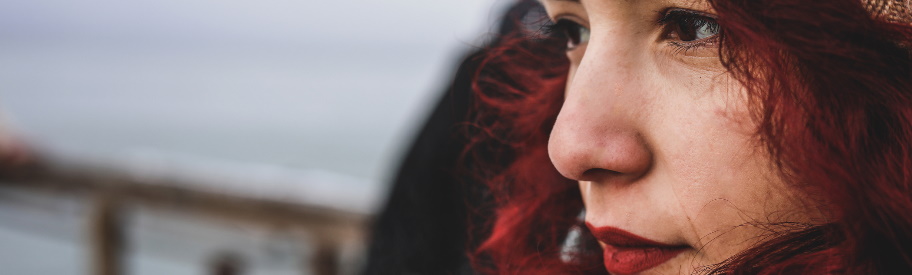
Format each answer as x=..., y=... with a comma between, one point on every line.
x=831, y=86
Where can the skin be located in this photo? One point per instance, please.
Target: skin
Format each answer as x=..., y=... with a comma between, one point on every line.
x=661, y=140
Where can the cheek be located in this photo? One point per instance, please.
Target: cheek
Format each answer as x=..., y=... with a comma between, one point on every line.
x=726, y=189
x=721, y=179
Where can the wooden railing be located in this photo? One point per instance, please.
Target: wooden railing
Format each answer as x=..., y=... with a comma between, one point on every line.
x=330, y=229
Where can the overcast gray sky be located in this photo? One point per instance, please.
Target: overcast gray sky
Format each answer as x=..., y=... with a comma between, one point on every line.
x=328, y=85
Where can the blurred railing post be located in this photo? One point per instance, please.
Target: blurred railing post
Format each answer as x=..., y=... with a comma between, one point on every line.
x=325, y=260
x=106, y=229
x=110, y=192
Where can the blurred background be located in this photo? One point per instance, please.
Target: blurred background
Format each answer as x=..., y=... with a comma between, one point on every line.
x=287, y=118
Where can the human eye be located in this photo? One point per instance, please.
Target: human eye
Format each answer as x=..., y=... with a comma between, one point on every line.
x=575, y=33
x=691, y=31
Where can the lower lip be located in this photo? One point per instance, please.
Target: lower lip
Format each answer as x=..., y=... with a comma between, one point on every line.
x=631, y=260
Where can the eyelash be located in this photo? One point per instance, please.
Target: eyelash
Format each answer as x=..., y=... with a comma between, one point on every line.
x=672, y=21
x=566, y=29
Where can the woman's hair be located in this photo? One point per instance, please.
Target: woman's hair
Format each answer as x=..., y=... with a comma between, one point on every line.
x=830, y=83
x=519, y=90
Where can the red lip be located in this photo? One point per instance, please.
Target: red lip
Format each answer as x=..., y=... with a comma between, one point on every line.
x=626, y=253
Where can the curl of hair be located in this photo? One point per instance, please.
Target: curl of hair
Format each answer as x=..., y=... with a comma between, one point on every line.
x=519, y=89
x=832, y=86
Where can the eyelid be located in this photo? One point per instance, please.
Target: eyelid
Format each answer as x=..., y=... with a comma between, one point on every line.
x=673, y=15
x=569, y=24
x=571, y=17
x=670, y=11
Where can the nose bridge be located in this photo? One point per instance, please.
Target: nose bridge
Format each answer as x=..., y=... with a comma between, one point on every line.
x=614, y=52
x=598, y=129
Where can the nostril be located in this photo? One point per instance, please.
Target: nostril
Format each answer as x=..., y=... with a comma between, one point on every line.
x=599, y=175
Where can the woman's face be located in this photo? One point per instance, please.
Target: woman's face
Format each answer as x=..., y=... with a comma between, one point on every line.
x=660, y=139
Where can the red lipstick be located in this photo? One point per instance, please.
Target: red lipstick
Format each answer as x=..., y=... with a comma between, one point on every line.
x=627, y=253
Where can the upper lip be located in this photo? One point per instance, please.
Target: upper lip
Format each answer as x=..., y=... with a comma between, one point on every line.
x=617, y=237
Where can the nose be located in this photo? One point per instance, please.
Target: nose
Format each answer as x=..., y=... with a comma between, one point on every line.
x=599, y=133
